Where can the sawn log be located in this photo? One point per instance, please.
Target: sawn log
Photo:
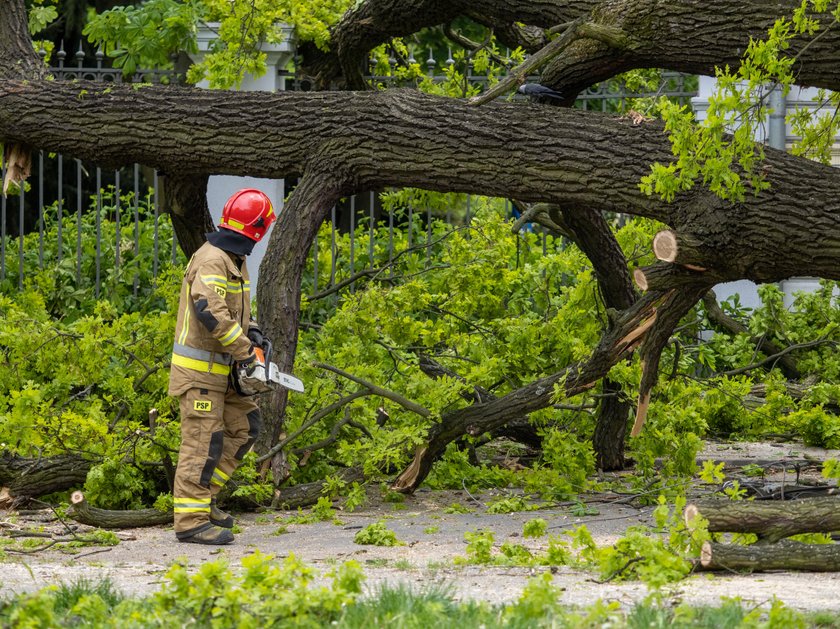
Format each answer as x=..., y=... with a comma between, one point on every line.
x=82, y=512
x=784, y=555
x=770, y=520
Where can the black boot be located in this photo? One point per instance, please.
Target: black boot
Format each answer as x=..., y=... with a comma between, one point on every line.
x=213, y=535
x=219, y=517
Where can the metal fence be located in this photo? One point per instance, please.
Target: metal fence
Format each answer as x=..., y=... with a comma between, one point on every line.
x=62, y=187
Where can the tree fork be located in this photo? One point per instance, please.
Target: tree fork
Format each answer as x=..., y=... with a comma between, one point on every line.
x=770, y=520
x=783, y=555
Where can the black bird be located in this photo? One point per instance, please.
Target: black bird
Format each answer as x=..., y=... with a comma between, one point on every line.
x=541, y=94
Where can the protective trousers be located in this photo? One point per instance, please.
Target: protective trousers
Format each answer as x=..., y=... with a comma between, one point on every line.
x=217, y=430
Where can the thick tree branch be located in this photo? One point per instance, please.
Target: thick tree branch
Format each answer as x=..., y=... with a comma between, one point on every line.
x=278, y=292
x=393, y=139
x=185, y=200
x=691, y=36
x=480, y=418
x=18, y=58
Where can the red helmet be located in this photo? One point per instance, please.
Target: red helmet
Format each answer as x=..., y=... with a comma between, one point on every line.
x=248, y=212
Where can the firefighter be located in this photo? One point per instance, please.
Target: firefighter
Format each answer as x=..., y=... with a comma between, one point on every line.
x=214, y=332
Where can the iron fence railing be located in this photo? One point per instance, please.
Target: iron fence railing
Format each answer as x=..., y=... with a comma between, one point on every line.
x=62, y=187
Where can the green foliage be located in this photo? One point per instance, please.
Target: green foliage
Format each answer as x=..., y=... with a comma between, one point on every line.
x=831, y=469
x=190, y=600
x=66, y=278
x=321, y=512
x=712, y=473
x=113, y=485
x=215, y=596
x=455, y=472
x=249, y=483
x=511, y=504
x=149, y=34
x=377, y=534
x=721, y=151
x=356, y=497
x=81, y=374
x=146, y=35
x=535, y=528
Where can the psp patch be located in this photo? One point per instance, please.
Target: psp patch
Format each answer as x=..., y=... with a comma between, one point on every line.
x=202, y=405
x=221, y=291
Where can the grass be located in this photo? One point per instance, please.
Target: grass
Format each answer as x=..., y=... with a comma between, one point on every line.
x=68, y=594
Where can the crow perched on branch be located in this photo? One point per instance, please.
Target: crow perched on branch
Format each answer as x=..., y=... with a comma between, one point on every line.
x=541, y=94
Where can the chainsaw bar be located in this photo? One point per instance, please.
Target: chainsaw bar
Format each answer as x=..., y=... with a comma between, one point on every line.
x=284, y=379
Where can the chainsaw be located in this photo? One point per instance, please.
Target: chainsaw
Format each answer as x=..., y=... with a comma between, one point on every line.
x=262, y=375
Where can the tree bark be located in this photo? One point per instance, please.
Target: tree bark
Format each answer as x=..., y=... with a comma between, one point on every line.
x=592, y=234
x=17, y=56
x=770, y=520
x=30, y=478
x=82, y=512
x=691, y=36
x=563, y=156
x=278, y=293
x=185, y=200
x=784, y=555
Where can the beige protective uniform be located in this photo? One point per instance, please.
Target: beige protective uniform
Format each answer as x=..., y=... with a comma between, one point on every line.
x=218, y=425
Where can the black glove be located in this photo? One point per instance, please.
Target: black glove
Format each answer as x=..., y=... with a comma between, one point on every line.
x=251, y=361
x=255, y=334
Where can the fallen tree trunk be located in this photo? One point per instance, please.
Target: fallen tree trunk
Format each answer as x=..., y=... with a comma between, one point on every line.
x=784, y=555
x=30, y=478
x=82, y=512
x=771, y=521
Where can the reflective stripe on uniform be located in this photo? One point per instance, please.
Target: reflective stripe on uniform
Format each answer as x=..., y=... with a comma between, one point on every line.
x=219, y=477
x=236, y=287
x=185, y=330
x=230, y=286
x=200, y=365
x=234, y=333
x=192, y=505
x=201, y=354
x=215, y=280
